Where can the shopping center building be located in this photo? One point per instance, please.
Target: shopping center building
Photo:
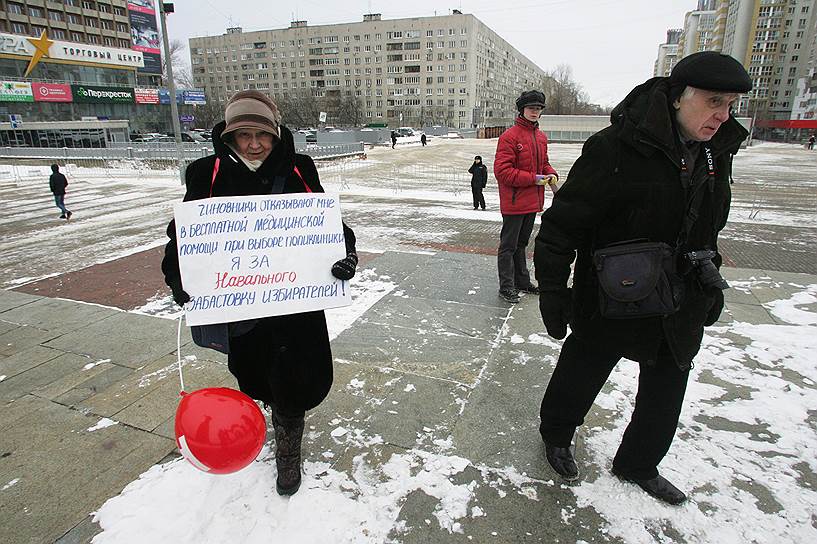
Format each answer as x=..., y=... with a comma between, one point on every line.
x=75, y=63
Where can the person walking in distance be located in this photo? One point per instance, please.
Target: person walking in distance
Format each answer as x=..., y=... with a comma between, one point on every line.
x=522, y=170
x=640, y=213
x=58, y=182
x=811, y=142
x=393, y=139
x=479, y=179
x=423, y=139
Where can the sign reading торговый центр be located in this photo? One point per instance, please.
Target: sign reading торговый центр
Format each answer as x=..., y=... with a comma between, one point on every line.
x=258, y=256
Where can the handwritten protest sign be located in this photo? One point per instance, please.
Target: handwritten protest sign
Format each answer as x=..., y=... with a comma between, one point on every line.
x=258, y=256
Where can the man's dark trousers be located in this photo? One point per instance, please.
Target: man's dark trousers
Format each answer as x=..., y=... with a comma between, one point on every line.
x=513, y=243
x=580, y=373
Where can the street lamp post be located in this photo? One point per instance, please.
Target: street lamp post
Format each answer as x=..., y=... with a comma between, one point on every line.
x=171, y=84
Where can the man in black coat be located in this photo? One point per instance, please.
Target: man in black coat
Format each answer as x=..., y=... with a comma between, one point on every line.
x=479, y=179
x=667, y=151
x=58, y=182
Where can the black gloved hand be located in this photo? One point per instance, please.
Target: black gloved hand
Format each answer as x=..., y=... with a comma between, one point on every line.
x=715, y=310
x=555, y=309
x=179, y=295
x=344, y=269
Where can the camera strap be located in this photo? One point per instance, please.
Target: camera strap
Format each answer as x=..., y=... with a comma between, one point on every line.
x=697, y=195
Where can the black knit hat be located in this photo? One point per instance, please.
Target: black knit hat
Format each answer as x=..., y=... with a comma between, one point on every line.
x=530, y=98
x=478, y=157
x=711, y=71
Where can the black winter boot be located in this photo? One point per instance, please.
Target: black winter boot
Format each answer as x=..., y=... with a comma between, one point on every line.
x=288, y=434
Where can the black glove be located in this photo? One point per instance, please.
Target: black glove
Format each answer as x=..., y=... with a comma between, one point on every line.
x=715, y=310
x=179, y=295
x=555, y=309
x=344, y=269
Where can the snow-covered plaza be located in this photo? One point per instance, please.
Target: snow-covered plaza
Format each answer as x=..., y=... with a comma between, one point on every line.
x=430, y=432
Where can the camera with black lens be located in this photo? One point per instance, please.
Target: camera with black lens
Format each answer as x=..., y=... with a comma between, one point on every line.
x=708, y=274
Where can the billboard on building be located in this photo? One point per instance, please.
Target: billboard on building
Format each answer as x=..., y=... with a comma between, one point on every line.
x=15, y=91
x=146, y=96
x=92, y=94
x=195, y=98
x=145, y=34
x=52, y=92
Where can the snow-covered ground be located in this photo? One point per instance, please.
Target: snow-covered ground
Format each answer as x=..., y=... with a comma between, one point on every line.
x=745, y=445
x=744, y=451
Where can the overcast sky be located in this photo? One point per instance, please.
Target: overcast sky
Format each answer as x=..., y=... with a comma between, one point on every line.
x=611, y=45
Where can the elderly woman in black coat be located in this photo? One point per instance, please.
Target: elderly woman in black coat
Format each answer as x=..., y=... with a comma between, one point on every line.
x=283, y=361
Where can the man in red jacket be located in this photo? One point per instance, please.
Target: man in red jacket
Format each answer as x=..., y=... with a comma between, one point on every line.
x=522, y=170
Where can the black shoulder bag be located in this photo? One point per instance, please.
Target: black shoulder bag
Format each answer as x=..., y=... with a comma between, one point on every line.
x=639, y=278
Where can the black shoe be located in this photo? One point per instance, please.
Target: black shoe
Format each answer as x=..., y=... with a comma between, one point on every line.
x=68, y=215
x=62, y=216
x=659, y=487
x=561, y=461
x=509, y=296
x=531, y=289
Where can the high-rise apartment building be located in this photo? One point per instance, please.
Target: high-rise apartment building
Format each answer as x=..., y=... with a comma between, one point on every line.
x=449, y=69
x=668, y=53
x=699, y=31
x=771, y=38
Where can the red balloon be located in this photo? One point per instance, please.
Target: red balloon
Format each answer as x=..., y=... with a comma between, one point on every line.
x=219, y=430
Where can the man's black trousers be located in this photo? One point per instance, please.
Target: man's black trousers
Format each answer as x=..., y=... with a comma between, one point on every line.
x=511, y=258
x=479, y=200
x=580, y=373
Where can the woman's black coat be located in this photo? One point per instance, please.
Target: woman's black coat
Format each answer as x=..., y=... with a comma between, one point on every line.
x=627, y=185
x=283, y=360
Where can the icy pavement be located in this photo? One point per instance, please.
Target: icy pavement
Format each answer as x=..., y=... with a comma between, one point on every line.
x=430, y=431
x=404, y=199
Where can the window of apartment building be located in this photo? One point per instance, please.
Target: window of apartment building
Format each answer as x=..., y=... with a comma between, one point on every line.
x=103, y=8
x=74, y=19
x=452, y=44
x=87, y=4
x=794, y=58
x=93, y=40
x=58, y=34
x=76, y=37
x=118, y=11
x=11, y=7
x=107, y=25
x=55, y=15
x=35, y=12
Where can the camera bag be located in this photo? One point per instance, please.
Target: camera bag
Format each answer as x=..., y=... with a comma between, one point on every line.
x=636, y=279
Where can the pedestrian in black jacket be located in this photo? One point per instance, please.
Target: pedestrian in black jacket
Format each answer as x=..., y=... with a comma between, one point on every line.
x=479, y=179
x=668, y=150
x=284, y=361
x=58, y=182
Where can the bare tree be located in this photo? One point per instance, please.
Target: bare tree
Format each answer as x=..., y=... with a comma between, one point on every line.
x=350, y=111
x=565, y=96
x=207, y=115
x=181, y=71
x=299, y=108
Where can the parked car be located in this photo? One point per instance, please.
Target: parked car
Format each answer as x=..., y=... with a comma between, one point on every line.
x=404, y=131
x=309, y=134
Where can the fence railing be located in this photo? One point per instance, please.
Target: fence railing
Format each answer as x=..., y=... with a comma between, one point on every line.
x=157, y=151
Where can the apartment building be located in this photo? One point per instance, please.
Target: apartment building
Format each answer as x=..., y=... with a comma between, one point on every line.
x=668, y=53
x=449, y=69
x=771, y=38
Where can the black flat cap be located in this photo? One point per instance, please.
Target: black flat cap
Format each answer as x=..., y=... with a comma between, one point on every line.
x=530, y=98
x=711, y=71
